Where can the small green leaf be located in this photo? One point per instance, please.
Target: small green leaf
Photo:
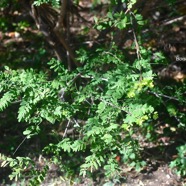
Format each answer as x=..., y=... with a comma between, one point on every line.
x=132, y=156
x=27, y=132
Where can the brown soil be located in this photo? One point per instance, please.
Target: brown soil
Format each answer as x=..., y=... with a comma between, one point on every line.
x=160, y=177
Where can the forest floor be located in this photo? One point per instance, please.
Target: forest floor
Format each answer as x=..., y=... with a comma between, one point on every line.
x=162, y=176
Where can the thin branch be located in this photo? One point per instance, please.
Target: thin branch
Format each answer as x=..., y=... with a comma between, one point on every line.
x=135, y=40
x=73, y=80
x=20, y=145
x=112, y=55
x=162, y=95
x=169, y=97
x=115, y=106
x=66, y=46
x=15, y=102
x=77, y=124
x=91, y=77
x=66, y=129
x=173, y=20
x=137, y=45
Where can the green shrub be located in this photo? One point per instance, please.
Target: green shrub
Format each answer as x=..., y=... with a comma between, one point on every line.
x=109, y=102
x=180, y=162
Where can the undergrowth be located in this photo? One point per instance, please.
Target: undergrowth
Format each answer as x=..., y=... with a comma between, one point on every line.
x=109, y=104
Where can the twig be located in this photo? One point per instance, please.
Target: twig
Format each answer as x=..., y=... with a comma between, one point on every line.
x=162, y=95
x=62, y=91
x=135, y=40
x=112, y=55
x=165, y=96
x=67, y=47
x=173, y=20
x=91, y=77
x=79, y=74
x=66, y=129
x=77, y=124
x=115, y=106
x=15, y=102
x=137, y=45
x=20, y=145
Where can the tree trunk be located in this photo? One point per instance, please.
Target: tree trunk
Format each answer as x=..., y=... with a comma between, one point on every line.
x=52, y=25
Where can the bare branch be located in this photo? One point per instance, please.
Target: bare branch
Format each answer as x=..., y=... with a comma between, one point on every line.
x=20, y=145
x=174, y=20
x=162, y=95
x=66, y=129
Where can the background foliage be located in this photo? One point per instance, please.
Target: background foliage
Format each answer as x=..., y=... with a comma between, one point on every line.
x=97, y=117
